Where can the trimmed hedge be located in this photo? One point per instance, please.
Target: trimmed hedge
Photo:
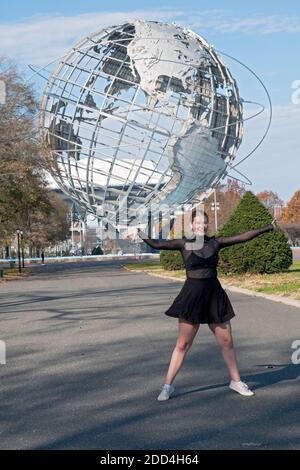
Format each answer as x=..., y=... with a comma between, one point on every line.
x=171, y=260
x=266, y=253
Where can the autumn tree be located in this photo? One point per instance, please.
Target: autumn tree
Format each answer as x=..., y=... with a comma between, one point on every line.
x=228, y=197
x=291, y=214
x=50, y=227
x=235, y=186
x=25, y=201
x=290, y=220
x=270, y=200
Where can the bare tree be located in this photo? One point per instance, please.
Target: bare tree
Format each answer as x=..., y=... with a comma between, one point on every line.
x=25, y=200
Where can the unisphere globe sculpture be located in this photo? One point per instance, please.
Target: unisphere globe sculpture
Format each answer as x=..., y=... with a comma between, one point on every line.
x=145, y=112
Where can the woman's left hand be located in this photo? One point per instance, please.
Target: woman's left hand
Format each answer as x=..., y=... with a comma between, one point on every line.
x=275, y=223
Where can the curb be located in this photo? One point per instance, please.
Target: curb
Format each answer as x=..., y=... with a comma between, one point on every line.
x=275, y=298
x=241, y=290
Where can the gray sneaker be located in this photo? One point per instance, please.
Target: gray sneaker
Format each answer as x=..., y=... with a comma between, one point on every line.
x=165, y=393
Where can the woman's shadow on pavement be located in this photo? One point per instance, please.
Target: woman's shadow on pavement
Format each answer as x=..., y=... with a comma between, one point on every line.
x=274, y=374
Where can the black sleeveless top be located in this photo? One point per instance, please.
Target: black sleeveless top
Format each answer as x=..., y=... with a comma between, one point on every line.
x=201, y=255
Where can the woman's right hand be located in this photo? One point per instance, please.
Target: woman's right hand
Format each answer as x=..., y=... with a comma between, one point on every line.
x=132, y=234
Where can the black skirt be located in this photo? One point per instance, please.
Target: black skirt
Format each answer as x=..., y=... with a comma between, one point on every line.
x=202, y=301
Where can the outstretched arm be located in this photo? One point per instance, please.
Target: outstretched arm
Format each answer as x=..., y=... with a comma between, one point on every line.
x=176, y=244
x=244, y=237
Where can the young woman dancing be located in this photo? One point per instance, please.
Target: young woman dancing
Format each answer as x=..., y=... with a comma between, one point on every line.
x=202, y=300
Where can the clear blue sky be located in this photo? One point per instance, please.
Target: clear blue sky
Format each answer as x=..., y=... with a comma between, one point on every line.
x=263, y=34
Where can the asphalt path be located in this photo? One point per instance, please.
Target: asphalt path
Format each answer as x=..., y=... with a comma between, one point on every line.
x=87, y=350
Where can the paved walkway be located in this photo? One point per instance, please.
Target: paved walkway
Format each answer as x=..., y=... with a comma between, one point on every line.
x=88, y=347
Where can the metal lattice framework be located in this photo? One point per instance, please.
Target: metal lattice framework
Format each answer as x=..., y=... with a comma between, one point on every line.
x=111, y=132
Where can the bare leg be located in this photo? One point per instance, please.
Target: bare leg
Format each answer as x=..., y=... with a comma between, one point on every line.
x=186, y=335
x=223, y=335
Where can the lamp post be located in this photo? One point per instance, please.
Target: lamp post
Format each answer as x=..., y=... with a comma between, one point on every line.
x=215, y=207
x=72, y=230
x=22, y=248
x=19, y=253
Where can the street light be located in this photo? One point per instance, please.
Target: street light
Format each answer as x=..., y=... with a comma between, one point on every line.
x=19, y=253
x=215, y=206
x=22, y=248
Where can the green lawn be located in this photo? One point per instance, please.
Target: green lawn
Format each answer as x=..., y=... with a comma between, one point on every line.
x=284, y=284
